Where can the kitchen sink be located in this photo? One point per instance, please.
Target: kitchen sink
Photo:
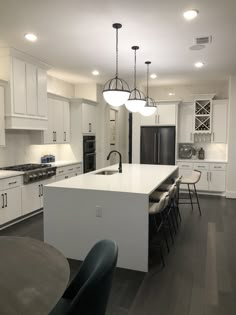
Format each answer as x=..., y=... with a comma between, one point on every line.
x=106, y=173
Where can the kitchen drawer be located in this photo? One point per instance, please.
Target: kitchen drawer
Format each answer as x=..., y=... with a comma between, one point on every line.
x=217, y=167
x=201, y=166
x=70, y=168
x=78, y=167
x=185, y=165
x=61, y=171
x=11, y=182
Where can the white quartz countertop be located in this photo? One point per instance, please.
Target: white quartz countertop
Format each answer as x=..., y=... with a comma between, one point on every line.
x=63, y=163
x=201, y=161
x=135, y=178
x=7, y=174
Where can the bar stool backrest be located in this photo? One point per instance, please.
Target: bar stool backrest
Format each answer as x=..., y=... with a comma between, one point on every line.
x=196, y=175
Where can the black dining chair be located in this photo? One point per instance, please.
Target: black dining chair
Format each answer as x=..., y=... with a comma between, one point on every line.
x=88, y=292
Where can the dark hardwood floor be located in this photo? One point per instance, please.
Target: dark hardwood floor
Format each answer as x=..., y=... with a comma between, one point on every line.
x=200, y=273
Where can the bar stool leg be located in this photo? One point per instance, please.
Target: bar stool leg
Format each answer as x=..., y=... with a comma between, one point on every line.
x=170, y=228
x=190, y=197
x=197, y=199
x=164, y=234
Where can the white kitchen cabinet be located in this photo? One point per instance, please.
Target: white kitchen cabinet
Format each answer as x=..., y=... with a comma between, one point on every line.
x=68, y=171
x=185, y=123
x=19, y=86
x=217, y=180
x=31, y=90
x=10, y=199
x=165, y=115
x=66, y=122
x=32, y=196
x=89, y=113
x=58, y=122
x=213, y=175
x=26, y=106
x=2, y=120
x=219, y=121
x=42, y=92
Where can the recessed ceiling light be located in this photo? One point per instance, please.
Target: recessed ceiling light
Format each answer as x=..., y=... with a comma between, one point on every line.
x=153, y=76
x=31, y=37
x=199, y=64
x=95, y=72
x=171, y=94
x=190, y=14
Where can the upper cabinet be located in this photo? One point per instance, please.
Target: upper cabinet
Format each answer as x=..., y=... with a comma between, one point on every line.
x=219, y=121
x=89, y=115
x=185, y=126
x=2, y=123
x=26, y=95
x=58, y=121
x=165, y=115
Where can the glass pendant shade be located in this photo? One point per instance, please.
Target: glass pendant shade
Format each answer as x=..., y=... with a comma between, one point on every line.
x=136, y=101
x=116, y=91
x=149, y=108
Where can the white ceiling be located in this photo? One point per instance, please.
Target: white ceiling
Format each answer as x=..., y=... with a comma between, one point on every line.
x=76, y=37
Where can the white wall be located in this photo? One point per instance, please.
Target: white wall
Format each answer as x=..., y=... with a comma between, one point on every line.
x=88, y=91
x=185, y=92
x=231, y=170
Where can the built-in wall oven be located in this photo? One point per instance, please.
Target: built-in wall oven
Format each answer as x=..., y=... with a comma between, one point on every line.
x=89, y=149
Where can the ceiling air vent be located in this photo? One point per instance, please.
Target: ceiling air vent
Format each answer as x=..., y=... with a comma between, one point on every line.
x=203, y=40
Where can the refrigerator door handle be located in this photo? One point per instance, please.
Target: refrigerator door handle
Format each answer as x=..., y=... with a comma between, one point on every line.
x=159, y=145
x=155, y=147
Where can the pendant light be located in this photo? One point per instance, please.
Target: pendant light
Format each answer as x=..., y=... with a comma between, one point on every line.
x=136, y=99
x=116, y=91
x=150, y=107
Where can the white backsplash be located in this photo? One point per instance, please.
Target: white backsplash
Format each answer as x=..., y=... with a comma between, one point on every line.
x=213, y=151
x=19, y=150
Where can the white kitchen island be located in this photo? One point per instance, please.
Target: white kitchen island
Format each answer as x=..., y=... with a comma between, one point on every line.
x=81, y=210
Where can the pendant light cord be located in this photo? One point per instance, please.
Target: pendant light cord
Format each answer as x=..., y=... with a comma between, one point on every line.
x=116, y=53
x=147, y=78
x=135, y=70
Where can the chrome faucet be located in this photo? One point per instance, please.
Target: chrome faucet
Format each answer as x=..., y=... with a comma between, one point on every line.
x=120, y=159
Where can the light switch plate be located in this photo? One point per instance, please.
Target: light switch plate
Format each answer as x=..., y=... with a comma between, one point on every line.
x=98, y=211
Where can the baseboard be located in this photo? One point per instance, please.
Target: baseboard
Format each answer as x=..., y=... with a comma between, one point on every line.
x=231, y=194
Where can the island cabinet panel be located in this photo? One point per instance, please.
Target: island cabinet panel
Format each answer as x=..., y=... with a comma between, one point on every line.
x=90, y=207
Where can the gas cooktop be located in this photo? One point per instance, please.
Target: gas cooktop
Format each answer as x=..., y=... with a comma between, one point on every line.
x=33, y=172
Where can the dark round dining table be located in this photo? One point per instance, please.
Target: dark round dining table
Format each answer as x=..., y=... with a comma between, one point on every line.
x=33, y=276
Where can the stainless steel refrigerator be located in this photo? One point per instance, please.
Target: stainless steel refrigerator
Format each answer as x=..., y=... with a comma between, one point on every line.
x=157, y=145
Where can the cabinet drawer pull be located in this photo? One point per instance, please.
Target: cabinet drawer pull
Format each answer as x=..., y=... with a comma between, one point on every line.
x=200, y=166
x=11, y=183
x=185, y=165
x=64, y=136
x=5, y=201
x=41, y=190
x=61, y=171
x=71, y=169
x=217, y=166
x=90, y=127
x=66, y=177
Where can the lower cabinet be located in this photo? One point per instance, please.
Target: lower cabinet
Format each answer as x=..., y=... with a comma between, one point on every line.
x=213, y=175
x=10, y=205
x=32, y=196
x=10, y=202
x=69, y=171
